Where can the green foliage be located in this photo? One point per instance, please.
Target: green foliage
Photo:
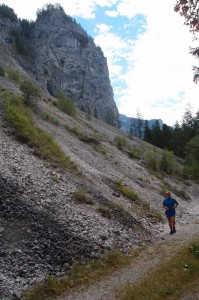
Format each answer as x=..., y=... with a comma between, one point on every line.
x=2, y=72
x=192, y=157
x=49, y=118
x=125, y=190
x=175, y=139
x=14, y=76
x=86, y=138
x=121, y=142
x=167, y=162
x=22, y=37
x=27, y=28
x=47, y=9
x=51, y=288
x=66, y=105
x=20, y=45
x=135, y=152
x=195, y=249
x=81, y=196
x=30, y=91
x=7, y=12
x=160, y=284
x=42, y=143
x=151, y=160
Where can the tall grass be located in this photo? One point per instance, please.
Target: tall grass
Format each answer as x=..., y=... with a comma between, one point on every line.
x=20, y=119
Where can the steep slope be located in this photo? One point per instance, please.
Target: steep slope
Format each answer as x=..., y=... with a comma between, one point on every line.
x=42, y=225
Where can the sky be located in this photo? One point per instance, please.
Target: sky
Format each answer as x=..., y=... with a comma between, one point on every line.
x=147, y=48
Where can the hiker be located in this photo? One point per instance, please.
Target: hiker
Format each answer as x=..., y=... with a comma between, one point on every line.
x=170, y=204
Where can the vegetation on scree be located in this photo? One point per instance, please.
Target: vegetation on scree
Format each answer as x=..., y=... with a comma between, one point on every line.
x=66, y=105
x=19, y=116
x=81, y=196
x=129, y=193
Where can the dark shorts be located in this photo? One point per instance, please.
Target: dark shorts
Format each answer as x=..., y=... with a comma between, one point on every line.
x=170, y=214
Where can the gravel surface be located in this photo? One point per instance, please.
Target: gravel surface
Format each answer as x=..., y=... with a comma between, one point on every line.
x=44, y=229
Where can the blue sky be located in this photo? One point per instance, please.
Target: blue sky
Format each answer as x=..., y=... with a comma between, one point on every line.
x=147, y=49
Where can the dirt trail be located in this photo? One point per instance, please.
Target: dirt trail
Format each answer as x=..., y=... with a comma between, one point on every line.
x=145, y=263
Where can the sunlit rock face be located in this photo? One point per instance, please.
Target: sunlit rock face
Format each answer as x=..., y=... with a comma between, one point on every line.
x=60, y=56
x=67, y=60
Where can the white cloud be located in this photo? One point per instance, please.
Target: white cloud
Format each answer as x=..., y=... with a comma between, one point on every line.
x=159, y=63
x=81, y=8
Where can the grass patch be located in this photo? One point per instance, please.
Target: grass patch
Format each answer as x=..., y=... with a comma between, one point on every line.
x=171, y=280
x=49, y=118
x=42, y=143
x=81, y=196
x=14, y=76
x=66, y=105
x=86, y=138
x=125, y=190
x=134, y=152
x=121, y=142
x=145, y=210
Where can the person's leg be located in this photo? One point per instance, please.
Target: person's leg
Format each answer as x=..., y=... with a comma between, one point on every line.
x=173, y=224
x=170, y=225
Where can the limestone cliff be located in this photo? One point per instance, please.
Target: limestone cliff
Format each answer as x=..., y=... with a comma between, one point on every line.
x=64, y=58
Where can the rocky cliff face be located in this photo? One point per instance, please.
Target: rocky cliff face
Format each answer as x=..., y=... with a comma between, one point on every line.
x=64, y=58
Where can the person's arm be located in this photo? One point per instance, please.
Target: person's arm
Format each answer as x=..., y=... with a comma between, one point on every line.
x=164, y=206
x=175, y=203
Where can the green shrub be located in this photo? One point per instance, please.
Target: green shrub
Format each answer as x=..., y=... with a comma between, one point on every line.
x=66, y=105
x=81, y=196
x=7, y=12
x=195, y=249
x=151, y=160
x=14, y=76
x=49, y=118
x=121, y=142
x=167, y=162
x=125, y=190
x=2, y=72
x=30, y=91
x=42, y=143
x=134, y=152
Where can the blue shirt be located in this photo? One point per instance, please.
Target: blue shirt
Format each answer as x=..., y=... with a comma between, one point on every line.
x=169, y=203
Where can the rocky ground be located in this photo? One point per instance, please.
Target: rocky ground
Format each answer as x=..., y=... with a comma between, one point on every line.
x=143, y=265
x=43, y=229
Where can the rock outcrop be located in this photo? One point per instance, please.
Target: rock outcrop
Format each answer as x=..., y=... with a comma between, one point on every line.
x=62, y=57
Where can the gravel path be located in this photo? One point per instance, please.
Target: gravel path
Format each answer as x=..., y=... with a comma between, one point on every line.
x=148, y=260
